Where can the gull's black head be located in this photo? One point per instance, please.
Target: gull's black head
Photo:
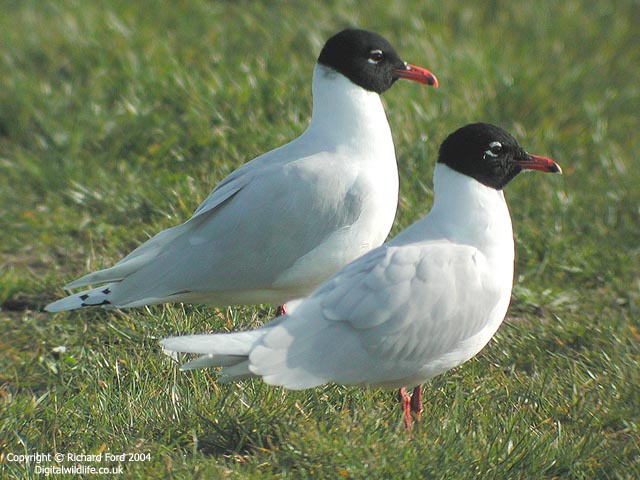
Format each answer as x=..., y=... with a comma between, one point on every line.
x=490, y=155
x=369, y=60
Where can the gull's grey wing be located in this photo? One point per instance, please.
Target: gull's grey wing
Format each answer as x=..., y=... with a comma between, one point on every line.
x=380, y=319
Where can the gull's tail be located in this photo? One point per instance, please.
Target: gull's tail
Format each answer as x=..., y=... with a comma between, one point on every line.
x=227, y=350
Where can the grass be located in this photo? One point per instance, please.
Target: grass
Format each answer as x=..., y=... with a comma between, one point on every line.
x=116, y=120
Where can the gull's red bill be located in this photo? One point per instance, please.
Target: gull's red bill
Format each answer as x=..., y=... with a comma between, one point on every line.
x=417, y=74
x=536, y=162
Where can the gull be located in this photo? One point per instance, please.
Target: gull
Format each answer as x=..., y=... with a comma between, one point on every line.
x=421, y=304
x=280, y=225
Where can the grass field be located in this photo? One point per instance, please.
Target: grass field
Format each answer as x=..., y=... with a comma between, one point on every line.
x=117, y=119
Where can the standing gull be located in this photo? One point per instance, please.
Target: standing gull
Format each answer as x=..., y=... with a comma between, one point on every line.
x=419, y=305
x=280, y=225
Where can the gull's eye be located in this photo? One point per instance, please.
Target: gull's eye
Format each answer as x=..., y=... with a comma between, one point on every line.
x=495, y=148
x=375, y=56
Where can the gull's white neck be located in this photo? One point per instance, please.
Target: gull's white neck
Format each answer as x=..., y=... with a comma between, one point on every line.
x=347, y=116
x=466, y=212
x=471, y=212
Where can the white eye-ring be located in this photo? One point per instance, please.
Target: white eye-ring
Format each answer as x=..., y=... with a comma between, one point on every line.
x=494, y=149
x=375, y=56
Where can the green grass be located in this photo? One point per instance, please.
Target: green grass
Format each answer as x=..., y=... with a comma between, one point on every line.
x=116, y=120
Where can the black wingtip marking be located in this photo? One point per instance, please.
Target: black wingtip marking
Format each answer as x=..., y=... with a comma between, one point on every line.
x=104, y=302
x=84, y=297
x=106, y=291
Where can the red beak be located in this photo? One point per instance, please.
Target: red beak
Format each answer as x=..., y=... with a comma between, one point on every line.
x=417, y=74
x=543, y=164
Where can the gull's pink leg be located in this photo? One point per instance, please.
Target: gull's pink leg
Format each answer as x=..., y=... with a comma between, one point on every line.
x=405, y=402
x=416, y=402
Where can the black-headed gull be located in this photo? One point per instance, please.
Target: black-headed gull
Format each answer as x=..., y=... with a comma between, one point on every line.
x=421, y=304
x=280, y=225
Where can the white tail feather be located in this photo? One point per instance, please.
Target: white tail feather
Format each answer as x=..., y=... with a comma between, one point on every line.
x=228, y=350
